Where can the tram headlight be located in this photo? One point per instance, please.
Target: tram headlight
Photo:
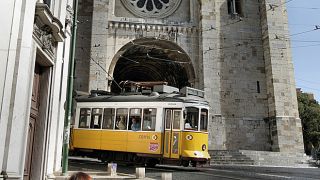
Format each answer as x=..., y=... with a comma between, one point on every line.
x=189, y=137
x=204, y=147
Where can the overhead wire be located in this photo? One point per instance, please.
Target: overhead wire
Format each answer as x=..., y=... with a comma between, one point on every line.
x=97, y=63
x=311, y=8
x=317, y=27
x=273, y=6
x=214, y=28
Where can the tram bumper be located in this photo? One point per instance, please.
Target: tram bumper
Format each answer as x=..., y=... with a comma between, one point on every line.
x=195, y=155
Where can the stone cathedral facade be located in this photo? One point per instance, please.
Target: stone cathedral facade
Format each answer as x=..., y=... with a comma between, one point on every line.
x=237, y=51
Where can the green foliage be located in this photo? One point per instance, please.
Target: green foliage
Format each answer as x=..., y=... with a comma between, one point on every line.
x=309, y=110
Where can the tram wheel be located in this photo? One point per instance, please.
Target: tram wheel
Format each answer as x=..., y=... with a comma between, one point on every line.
x=152, y=163
x=194, y=163
x=185, y=163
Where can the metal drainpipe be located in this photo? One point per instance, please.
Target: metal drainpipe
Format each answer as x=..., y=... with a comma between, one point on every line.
x=67, y=117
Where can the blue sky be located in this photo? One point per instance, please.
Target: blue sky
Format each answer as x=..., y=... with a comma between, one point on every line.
x=304, y=15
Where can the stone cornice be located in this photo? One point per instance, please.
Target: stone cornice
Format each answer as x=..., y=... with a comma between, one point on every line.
x=46, y=17
x=151, y=27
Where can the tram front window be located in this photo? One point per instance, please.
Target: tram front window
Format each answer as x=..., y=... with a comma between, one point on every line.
x=204, y=120
x=192, y=119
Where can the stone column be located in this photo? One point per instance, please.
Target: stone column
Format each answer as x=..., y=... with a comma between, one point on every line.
x=210, y=55
x=98, y=78
x=286, y=130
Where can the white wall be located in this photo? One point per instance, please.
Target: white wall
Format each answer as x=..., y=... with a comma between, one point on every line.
x=9, y=17
x=18, y=56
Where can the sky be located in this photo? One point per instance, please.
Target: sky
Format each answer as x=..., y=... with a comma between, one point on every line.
x=303, y=16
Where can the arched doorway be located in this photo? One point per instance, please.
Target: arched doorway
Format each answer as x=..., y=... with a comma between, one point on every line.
x=151, y=59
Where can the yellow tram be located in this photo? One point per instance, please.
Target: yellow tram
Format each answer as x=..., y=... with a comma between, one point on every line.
x=159, y=128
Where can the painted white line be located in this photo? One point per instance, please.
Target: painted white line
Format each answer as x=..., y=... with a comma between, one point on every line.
x=286, y=177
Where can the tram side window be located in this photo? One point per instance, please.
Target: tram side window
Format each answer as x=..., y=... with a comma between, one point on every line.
x=96, y=118
x=192, y=120
x=108, y=118
x=149, y=119
x=204, y=120
x=84, y=119
x=168, y=119
x=135, y=119
x=176, y=119
x=121, y=119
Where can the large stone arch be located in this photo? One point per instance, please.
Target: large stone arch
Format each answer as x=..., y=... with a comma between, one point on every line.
x=152, y=59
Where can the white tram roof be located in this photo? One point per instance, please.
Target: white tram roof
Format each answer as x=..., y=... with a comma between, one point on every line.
x=153, y=97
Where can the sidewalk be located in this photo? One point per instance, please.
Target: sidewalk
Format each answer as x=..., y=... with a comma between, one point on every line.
x=98, y=176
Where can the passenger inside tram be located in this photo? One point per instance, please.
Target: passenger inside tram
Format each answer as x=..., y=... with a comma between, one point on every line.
x=121, y=124
x=135, y=126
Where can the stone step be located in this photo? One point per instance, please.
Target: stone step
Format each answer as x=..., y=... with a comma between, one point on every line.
x=235, y=162
x=232, y=160
x=229, y=157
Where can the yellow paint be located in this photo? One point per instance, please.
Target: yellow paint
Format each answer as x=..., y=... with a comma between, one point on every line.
x=167, y=144
x=193, y=148
x=175, y=144
x=172, y=146
x=130, y=141
x=86, y=139
x=114, y=140
x=144, y=142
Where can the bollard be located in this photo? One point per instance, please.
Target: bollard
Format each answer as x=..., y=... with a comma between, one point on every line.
x=166, y=176
x=140, y=173
x=112, y=169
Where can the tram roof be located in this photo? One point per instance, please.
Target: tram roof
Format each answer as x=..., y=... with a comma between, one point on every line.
x=166, y=97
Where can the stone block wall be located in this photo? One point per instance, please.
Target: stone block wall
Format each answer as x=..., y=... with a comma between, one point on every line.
x=243, y=96
x=238, y=60
x=83, y=45
x=286, y=132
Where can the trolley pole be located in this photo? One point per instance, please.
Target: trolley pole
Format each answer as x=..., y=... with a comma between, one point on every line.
x=67, y=115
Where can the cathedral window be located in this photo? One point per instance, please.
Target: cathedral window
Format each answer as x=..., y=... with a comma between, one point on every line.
x=151, y=8
x=235, y=7
x=258, y=87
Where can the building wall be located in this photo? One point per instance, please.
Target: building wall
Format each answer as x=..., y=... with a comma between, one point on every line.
x=247, y=75
x=286, y=129
x=32, y=34
x=243, y=105
x=7, y=58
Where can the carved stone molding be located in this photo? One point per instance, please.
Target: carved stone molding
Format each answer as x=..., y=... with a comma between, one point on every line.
x=139, y=28
x=47, y=30
x=43, y=35
x=44, y=15
x=69, y=15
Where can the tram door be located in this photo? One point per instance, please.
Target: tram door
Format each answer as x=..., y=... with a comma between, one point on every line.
x=172, y=131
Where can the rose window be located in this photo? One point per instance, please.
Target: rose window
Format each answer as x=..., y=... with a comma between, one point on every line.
x=151, y=8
